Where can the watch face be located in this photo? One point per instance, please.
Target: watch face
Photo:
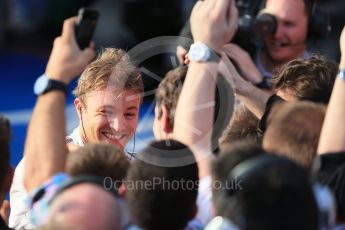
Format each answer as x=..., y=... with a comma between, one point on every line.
x=40, y=85
x=199, y=52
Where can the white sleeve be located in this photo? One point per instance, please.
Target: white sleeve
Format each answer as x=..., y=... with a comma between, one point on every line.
x=19, y=215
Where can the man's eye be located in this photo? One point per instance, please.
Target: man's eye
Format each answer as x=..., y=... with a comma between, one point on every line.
x=105, y=112
x=130, y=115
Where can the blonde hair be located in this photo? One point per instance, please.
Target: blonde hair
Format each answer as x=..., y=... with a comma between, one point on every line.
x=112, y=67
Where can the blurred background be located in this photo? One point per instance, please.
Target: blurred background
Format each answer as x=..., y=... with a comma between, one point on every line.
x=28, y=28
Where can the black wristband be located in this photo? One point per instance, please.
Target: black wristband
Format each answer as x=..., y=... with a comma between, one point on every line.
x=264, y=84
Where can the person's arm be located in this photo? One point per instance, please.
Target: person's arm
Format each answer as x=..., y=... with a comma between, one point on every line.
x=213, y=22
x=332, y=137
x=45, y=147
x=254, y=98
x=244, y=62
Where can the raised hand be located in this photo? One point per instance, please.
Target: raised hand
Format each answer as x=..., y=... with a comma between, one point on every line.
x=247, y=67
x=214, y=22
x=66, y=60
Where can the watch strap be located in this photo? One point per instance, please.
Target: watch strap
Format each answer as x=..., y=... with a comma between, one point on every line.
x=214, y=56
x=57, y=85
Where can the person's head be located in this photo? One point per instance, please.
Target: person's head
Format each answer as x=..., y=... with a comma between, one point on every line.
x=103, y=160
x=309, y=79
x=5, y=136
x=108, y=96
x=293, y=130
x=162, y=197
x=262, y=191
x=243, y=125
x=290, y=38
x=166, y=96
x=85, y=206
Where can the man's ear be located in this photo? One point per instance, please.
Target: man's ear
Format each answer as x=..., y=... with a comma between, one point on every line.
x=167, y=128
x=122, y=191
x=78, y=104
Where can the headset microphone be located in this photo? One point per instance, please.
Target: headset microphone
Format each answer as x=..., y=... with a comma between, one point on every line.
x=294, y=43
x=82, y=125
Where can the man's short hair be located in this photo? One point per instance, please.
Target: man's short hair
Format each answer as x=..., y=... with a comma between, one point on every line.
x=243, y=125
x=309, y=79
x=5, y=137
x=102, y=160
x=274, y=192
x=308, y=5
x=169, y=201
x=169, y=90
x=293, y=130
x=112, y=67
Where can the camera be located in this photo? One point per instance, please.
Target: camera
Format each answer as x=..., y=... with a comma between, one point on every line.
x=253, y=24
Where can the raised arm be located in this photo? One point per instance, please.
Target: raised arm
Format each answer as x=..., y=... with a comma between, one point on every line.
x=213, y=23
x=332, y=137
x=254, y=98
x=45, y=146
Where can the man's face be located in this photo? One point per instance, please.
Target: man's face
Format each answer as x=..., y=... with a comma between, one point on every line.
x=289, y=41
x=110, y=116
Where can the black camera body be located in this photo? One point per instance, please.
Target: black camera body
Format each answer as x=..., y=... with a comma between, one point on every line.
x=253, y=24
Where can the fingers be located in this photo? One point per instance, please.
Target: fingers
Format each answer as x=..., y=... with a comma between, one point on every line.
x=221, y=8
x=232, y=18
x=186, y=59
x=68, y=28
x=210, y=4
x=180, y=53
x=5, y=211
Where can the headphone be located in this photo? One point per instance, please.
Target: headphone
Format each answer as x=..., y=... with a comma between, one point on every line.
x=246, y=170
x=107, y=185
x=318, y=22
x=82, y=123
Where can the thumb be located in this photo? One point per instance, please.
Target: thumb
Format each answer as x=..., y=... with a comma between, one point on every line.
x=5, y=211
x=88, y=55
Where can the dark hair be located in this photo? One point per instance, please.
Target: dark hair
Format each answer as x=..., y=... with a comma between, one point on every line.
x=309, y=79
x=275, y=193
x=169, y=90
x=5, y=137
x=102, y=160
x=162, y=206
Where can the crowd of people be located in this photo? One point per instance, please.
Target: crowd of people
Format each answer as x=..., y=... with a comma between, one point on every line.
x=279, y=162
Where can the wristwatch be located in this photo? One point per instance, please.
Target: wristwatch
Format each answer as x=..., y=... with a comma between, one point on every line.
x=44, y=84
x=199, y=52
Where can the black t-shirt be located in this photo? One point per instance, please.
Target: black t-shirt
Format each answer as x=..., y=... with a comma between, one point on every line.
x=329, y=169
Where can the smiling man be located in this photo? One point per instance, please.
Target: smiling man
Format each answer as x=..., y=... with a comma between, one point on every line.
x=108, y=97
x=290, y=39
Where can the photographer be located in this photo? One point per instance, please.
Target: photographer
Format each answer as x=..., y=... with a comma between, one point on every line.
x=287, y=42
